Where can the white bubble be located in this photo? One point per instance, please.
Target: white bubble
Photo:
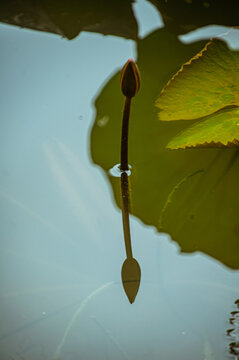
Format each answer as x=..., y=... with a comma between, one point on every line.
x=116, y=171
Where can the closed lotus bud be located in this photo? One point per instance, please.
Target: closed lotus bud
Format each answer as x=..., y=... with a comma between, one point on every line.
x=130, y=79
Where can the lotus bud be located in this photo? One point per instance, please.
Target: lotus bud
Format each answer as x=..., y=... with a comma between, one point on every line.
x=130, y=79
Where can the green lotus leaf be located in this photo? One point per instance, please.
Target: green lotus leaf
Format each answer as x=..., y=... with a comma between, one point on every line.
x=206, y=83
x=220, y=130
x=191, y=194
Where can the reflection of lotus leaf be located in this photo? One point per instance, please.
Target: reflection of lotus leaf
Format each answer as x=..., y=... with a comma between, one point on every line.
x=192, y=194
x=69, y=18
x=182, y=16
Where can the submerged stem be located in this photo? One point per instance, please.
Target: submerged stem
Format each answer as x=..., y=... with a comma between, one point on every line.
x=125, y=214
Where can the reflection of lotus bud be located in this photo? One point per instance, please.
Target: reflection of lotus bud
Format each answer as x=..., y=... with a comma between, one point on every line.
x=131, y=274
x=130, y=80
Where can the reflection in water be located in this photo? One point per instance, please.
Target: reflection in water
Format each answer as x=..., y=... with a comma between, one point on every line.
x=57, y=355
x=130, y=272
x=233, y=333
x=110, y=336
x=152, y=327
x=130, y=83
x=69, y=18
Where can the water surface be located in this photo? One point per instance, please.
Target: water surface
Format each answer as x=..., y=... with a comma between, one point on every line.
x=62, y=242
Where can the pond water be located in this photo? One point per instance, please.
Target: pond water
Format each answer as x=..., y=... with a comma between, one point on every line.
x=62, y=244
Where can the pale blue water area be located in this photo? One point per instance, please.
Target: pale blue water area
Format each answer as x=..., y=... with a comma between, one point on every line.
x=229, y=35
x=61, y=233
x=148, y=17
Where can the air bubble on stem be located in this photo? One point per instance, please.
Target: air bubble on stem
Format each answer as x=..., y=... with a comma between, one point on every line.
x=115, y=171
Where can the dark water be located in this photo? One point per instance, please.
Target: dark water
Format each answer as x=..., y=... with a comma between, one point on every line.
x=62, y=244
